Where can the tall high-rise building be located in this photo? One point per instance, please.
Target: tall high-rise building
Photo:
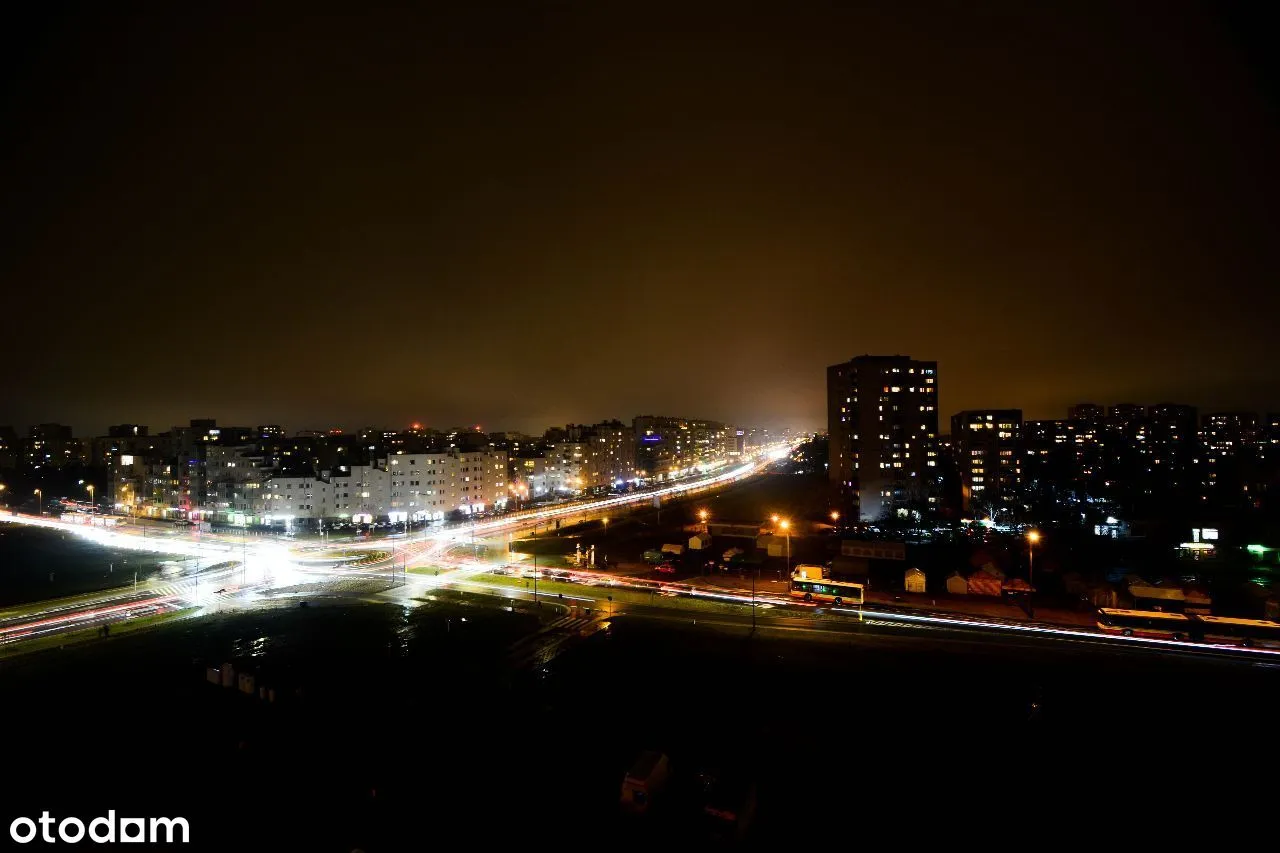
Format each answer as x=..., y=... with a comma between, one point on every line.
x=1229, y=442
x=51, y=445
x=1271, y=428
x=882, y=420
x=1170, y=447
x=668, y=447
x=988, y=453
x=1225, y=433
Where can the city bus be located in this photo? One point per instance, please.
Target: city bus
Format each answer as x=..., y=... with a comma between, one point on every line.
x=837, y=592
x=1224, y=630
x=1145, y=623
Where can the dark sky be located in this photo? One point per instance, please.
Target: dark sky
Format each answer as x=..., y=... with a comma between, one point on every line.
x=539, y=213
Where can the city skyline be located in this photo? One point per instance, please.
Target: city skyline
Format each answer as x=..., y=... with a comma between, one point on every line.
x=522, y=422
x=538, y=427
x=314, y=218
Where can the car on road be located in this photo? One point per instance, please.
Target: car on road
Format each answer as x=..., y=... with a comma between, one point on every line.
x=665, y=568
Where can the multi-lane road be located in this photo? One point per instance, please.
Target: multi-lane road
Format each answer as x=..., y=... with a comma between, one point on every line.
x=244, y=572
x=236, y=571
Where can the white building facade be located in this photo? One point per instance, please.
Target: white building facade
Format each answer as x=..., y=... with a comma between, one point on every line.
x=405, y=486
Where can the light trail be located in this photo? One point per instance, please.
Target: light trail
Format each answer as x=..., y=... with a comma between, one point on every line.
x=47, y=625
x=1047, y=630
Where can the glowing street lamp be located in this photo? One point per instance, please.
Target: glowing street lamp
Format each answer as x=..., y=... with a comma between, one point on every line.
x=39, y=502
x=786, y=528
x=835, y=516
x=92, y=505
x=1033, y=536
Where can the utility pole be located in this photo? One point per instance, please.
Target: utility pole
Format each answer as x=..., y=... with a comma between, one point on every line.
x=535, y=578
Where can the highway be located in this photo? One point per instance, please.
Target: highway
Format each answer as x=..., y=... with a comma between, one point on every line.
x=256, y=570
x=245, y=572
x=609, y=596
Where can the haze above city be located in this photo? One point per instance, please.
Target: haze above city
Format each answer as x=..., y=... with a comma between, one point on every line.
x=524, y=217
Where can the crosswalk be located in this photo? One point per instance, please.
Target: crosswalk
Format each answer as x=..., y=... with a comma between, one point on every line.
x=543, y=646
x=570, y=623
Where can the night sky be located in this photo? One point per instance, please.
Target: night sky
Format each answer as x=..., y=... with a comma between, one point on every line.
x=521, y=215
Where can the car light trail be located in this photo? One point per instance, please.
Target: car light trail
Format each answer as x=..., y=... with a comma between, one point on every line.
x=1046, y=630
x=11, y=632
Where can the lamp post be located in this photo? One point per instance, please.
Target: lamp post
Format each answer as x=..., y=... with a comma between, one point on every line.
x=786, y=526
x=92, y=505
x=835, y=517
x=1033, y=537
x=39, y=503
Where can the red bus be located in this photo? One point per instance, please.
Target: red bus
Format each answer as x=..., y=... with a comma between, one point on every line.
x=1226, y=631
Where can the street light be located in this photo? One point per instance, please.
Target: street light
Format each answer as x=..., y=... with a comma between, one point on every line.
x=786, y=527
x=835, y=516
x=39, y=503
x=1033, y=536
x=92, y=505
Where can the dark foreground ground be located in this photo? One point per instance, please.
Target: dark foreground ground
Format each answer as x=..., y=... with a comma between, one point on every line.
x=410, y=732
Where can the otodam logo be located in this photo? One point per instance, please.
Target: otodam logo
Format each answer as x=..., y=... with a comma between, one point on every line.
x=101, y=830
